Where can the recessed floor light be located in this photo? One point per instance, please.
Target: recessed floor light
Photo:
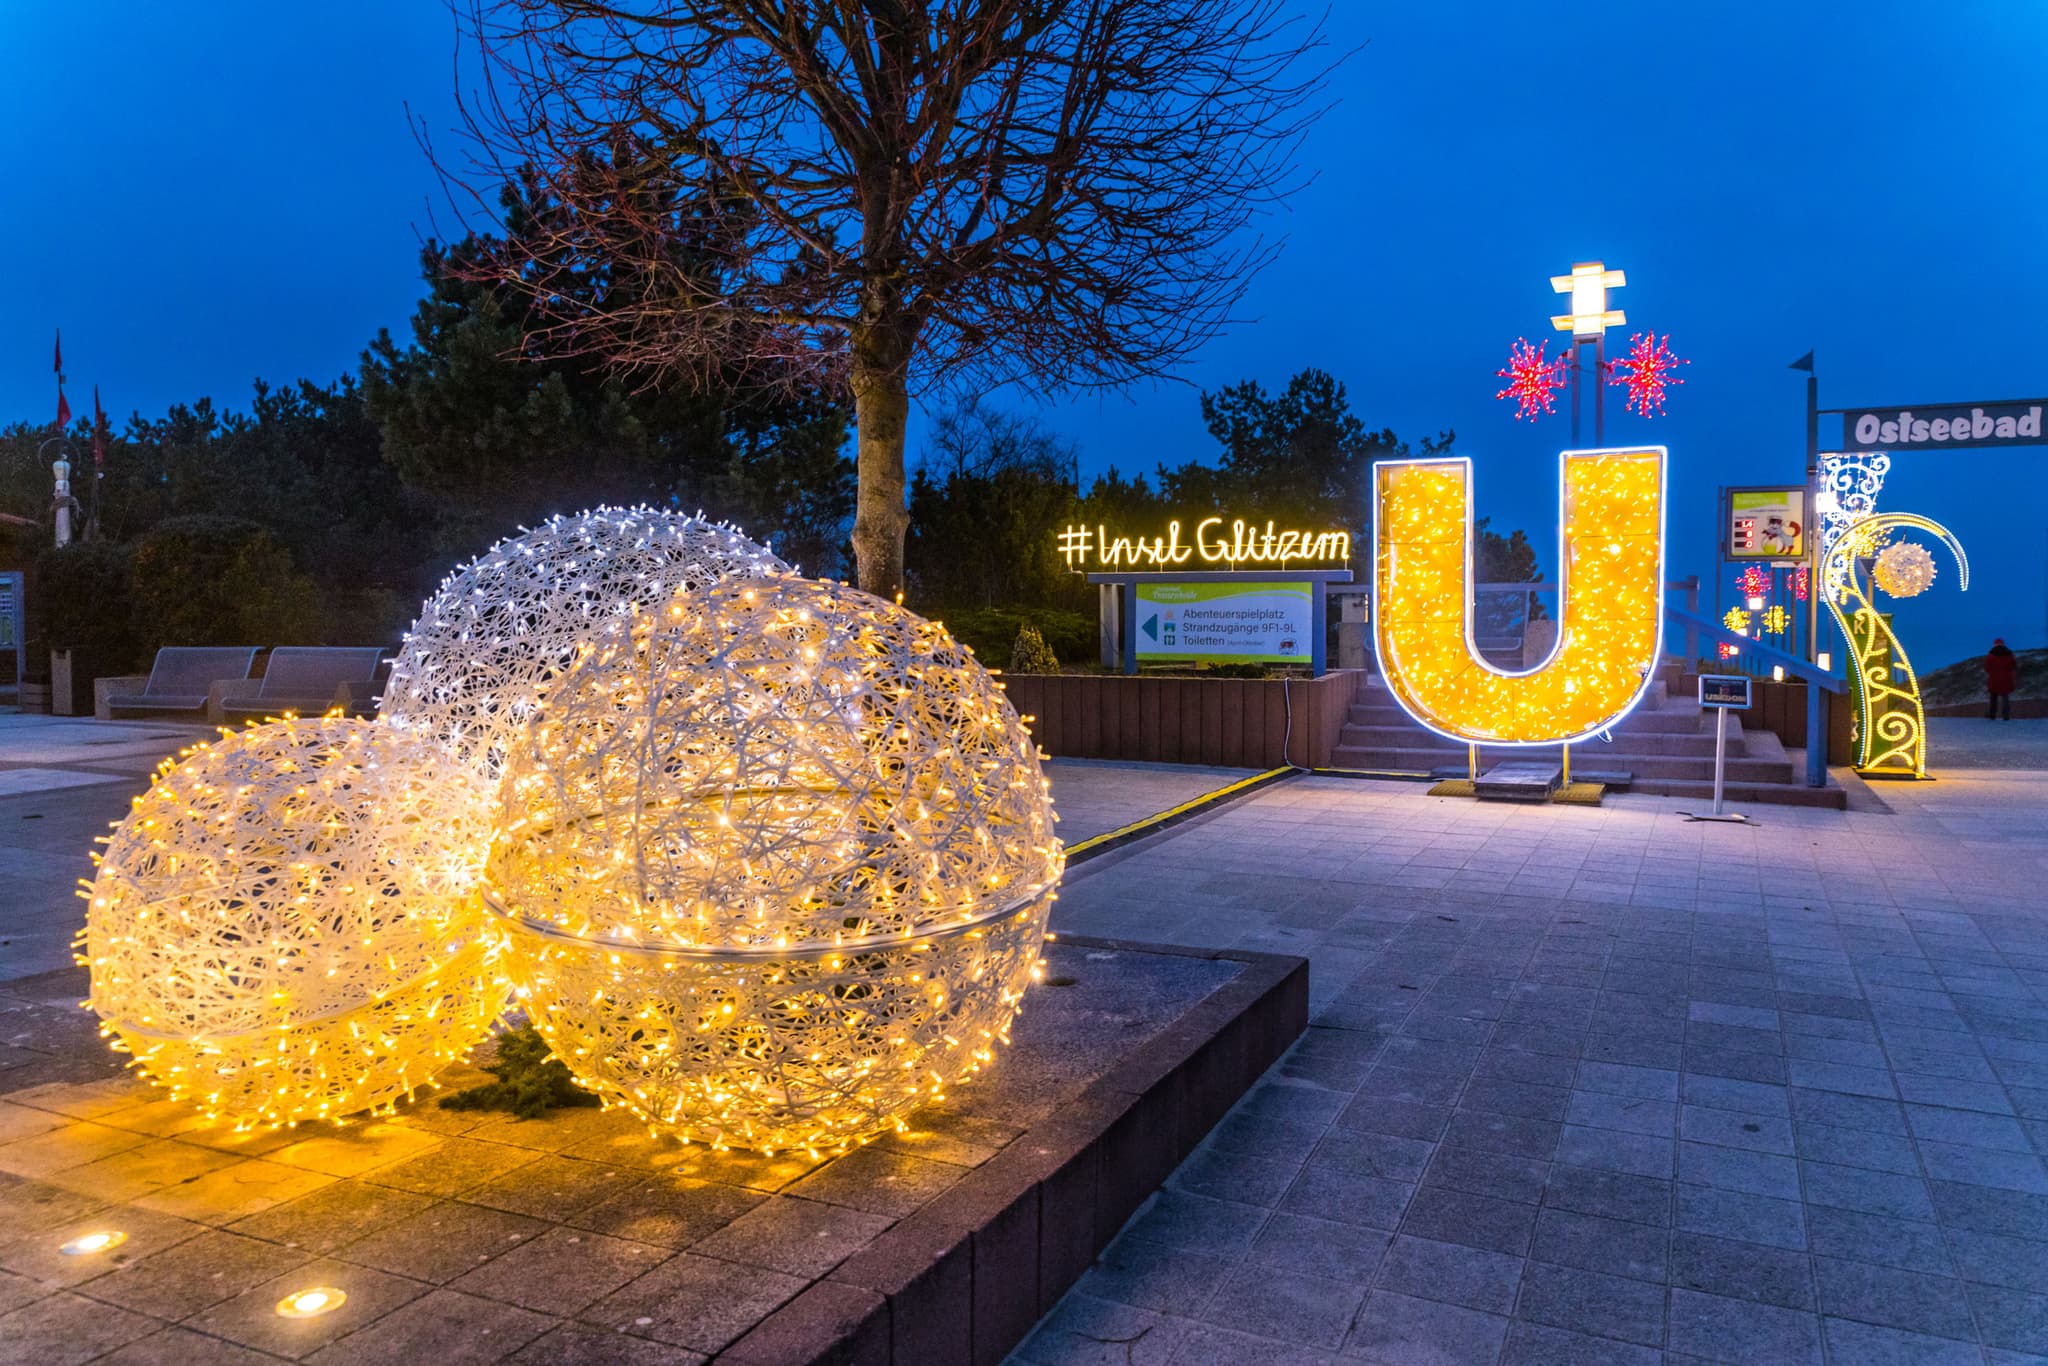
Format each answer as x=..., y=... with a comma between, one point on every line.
x=306, y=1304
x=87, y=1244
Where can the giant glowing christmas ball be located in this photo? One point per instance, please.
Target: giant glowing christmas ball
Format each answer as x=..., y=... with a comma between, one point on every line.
x=775, y=866
x=501, y=628
x=287, y=925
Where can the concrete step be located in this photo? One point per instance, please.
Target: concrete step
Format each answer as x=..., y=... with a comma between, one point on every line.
x=1420, y=759
x=1745, y=794
x=1375, y=708
x=1668, y=743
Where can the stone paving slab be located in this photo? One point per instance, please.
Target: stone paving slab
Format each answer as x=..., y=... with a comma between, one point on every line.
x=1095, y=796
x=473, y=1236
x=1599, y=1085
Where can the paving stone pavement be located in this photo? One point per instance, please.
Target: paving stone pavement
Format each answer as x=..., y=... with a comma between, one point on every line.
x=1607, y=1086
x=1094, y=796
x=1582, y=1085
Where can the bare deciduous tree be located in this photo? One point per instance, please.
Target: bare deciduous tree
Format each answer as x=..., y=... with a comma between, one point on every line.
x=1058, y=193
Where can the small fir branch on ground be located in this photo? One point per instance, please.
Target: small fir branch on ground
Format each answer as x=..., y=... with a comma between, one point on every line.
x=529, y=1082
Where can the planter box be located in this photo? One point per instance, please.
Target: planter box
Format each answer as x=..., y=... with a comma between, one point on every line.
x=1781, y=709
x=1226, y=722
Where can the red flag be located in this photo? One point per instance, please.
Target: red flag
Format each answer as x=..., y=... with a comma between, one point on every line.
x=99, y=427
x=63, y=404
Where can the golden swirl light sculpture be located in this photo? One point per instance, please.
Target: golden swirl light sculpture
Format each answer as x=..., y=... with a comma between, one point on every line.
x=775, y=866
x=475, y=665
x=1891, y=729
x=287, y=927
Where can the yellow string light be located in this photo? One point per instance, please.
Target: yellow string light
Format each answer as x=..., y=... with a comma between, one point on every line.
x=287, y=925
x=775, y=870
x=1610, y=600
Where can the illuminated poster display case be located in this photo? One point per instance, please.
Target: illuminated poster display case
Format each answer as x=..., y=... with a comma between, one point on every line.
x=1765, y=524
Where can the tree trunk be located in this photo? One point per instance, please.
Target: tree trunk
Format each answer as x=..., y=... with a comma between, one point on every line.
x=881, y=405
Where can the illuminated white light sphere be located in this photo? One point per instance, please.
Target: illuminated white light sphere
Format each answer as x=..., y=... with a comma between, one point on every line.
x=1904, y=569
x=776, y=865
x=500, y=628
x=287, y=925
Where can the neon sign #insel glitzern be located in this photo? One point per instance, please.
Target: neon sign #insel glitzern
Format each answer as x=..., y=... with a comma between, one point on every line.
x=1244, y=544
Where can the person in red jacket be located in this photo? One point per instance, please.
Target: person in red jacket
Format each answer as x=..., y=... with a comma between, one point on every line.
x=2001, y=672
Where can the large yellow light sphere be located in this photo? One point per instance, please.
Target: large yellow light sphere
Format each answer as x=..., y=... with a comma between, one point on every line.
x=776, y=865
x=475, y=665
x=287, y=926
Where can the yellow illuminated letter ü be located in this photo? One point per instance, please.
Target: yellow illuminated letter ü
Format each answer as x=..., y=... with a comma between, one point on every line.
x=1610, y=600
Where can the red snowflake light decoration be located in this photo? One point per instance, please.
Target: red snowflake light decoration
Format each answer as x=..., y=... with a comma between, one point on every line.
x=1531, y=378
x=1801, y=582
x=1756, y=582
x=1647, y=369
x=1727, y=651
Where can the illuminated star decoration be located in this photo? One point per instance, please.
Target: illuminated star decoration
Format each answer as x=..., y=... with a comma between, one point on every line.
x=1776, y=619
x=1736, y=619
x=1756, y=581
x=1531, y=378
x=1647, y=369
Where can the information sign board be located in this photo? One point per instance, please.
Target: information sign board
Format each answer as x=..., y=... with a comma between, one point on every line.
x=1225, y=623
x=1725, y=690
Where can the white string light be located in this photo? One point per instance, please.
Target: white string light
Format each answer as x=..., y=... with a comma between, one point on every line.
x=487, y=643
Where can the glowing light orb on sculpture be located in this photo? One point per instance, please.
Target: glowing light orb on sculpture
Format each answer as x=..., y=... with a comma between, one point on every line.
x=775, y=866
x=499, y=629
x=1610, y=600
x=287, y=925
x=1904, y=569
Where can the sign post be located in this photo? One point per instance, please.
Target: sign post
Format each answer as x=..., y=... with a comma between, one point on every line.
x=1723, y=693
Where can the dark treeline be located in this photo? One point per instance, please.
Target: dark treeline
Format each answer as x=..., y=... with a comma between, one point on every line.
x=994, y=489
x=352, y=498
x=324, y=512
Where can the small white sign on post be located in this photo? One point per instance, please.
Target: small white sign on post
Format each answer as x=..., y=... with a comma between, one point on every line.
x=1722, y=693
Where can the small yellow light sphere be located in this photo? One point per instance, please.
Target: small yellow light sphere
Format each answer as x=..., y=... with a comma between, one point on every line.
x=776, y=870
x=287, y=926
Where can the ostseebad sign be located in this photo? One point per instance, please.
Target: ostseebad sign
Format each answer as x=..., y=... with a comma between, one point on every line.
x=1948, y=426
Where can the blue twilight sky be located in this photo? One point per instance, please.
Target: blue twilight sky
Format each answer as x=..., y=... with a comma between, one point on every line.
x=203, y=194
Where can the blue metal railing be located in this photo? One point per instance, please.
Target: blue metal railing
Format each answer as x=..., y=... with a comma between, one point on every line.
x=1817, y=679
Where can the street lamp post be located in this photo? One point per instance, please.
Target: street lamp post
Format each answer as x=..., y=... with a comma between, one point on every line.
x=1588, y=323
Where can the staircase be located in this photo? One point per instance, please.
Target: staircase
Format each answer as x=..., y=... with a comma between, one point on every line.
x=1667, y=743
